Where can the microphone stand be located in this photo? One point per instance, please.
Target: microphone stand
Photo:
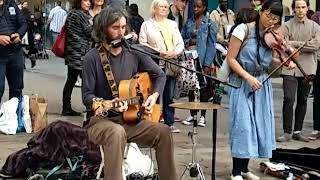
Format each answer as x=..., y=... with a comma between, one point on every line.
x=135, y=48
x=214, y=111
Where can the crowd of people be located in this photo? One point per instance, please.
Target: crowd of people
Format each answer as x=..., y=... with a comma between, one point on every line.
x=91, y=27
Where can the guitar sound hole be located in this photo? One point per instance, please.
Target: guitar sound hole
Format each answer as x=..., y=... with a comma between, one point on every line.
x=104, y=114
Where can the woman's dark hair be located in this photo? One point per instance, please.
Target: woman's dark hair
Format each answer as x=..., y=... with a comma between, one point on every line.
x=275, y=8
x=134, y=10
x=310, y=13
x=316, y=17
x=92, y=3
x=245, y=15
x=105, y=18
x=76, y=4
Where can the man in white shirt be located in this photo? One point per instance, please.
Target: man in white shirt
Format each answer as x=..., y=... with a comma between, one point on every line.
x=56, y=19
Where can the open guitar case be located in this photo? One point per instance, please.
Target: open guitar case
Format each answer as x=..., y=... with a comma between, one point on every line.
x=303, y=162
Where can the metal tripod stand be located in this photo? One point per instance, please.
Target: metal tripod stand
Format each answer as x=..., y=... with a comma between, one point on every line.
x=194, y=167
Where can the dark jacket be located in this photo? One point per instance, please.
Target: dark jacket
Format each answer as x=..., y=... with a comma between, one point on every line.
x=53, y=144
x=78, y=41
x=135, y=22
x=172, y=17
x=11, y=21
x=30, y=21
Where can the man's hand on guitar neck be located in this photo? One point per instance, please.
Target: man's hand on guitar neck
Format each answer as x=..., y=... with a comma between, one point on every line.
x=150, y=102
x=123, y=105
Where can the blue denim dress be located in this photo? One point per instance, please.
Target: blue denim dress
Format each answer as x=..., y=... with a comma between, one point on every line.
x=251, y=115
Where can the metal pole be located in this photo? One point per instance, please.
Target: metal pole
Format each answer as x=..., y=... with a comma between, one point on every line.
x=44, y=14
x=214, y=142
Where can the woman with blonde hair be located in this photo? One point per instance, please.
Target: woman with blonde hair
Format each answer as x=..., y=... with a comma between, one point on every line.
x=163, y=35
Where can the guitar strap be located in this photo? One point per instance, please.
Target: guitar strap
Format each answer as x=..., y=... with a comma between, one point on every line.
x=107, y=70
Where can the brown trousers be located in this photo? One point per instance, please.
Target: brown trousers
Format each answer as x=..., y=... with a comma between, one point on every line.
x=114, y=136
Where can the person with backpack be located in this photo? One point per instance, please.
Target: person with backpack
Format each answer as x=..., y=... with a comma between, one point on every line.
x=224, y=19
x=251, y=115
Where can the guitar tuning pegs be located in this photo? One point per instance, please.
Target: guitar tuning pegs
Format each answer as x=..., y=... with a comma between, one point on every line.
x=97, y=99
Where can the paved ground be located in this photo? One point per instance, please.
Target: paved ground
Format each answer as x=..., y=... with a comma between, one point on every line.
x=48, y=77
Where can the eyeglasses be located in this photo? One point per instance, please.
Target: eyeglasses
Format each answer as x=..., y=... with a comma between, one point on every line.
x=272, y=17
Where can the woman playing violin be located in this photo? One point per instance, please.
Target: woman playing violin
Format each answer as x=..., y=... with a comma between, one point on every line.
x=251, y=117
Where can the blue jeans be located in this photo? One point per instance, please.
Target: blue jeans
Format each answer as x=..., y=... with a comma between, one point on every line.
x=11, y=67
x=167, y=98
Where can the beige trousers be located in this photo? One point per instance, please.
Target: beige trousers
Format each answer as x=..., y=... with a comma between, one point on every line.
x=113, y=135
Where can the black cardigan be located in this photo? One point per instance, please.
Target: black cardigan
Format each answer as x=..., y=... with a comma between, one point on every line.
x=78, y=39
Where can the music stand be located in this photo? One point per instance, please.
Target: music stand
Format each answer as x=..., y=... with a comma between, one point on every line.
x=193, y=166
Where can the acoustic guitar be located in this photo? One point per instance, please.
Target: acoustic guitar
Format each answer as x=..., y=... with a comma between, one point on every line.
x=134, y=91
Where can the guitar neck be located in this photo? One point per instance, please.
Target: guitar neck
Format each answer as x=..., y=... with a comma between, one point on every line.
x=130, y=101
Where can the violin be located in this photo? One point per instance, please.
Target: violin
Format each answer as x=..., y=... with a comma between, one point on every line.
x=275, y=39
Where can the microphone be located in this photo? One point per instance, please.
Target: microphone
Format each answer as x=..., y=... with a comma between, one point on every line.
x=123, y=41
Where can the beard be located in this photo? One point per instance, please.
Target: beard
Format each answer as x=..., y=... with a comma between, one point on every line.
x=109, y=38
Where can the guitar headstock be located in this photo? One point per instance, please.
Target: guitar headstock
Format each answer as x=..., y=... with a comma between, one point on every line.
x=101, y=106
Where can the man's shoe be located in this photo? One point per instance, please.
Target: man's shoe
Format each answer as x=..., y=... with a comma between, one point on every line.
x=174, y=129
x=236, y=177
x=70, y=112
x=202, y=122
x=188, y=121
x=284, y=138
x=314, y=135
x=299, y=137
x=250, y=176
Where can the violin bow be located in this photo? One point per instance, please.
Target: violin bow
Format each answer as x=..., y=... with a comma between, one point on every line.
x=285, y=61
x=307, y=78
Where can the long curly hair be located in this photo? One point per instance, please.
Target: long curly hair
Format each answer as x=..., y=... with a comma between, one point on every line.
x=105, y=18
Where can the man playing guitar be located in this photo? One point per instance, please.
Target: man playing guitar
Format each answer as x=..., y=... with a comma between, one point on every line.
x=110, y=131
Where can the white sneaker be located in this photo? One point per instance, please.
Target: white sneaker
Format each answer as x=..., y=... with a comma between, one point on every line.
x=188, y=121
x=202, y=122
x=236, y=177
x=174, y=129
x=250, y=176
